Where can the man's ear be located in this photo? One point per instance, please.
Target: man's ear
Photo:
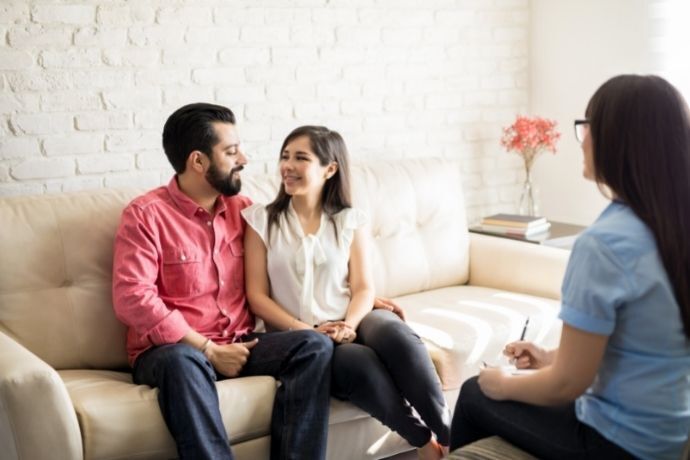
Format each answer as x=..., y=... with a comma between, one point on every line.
x=196, y=161
x=331, y=169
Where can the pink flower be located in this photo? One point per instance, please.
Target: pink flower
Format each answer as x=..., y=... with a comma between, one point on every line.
x=530, y=136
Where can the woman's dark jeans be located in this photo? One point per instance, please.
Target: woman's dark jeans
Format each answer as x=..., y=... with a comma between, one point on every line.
x=387, y=372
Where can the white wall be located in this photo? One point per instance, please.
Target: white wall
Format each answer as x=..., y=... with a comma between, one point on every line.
x=574, y=47
x=86, y=85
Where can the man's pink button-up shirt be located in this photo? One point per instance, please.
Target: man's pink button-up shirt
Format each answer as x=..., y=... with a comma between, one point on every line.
x=176, y=267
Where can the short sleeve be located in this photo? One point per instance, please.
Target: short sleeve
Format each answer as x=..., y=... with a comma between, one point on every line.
x=349, y=220
x=595, y=285
x=256, y=216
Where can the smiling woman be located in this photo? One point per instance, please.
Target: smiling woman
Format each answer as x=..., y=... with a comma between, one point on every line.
x=302, y=170
x=313, y=272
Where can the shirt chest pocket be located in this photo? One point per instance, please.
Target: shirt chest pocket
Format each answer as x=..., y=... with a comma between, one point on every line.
x=181, y=272
x=236, y=262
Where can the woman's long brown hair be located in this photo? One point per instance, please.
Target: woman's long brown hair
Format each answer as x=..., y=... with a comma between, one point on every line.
x=640, y=130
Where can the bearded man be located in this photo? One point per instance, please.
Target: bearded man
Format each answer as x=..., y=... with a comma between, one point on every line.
x=178, y=286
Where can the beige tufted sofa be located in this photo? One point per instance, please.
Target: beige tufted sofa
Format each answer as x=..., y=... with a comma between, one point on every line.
x=65, y=389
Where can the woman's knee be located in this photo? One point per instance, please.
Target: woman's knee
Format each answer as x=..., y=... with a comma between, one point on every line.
x=379, y=318
x=470, y=394
x=384, y=331
x=353, y=360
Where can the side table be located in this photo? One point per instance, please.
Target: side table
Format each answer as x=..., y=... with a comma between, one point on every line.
x=560, y=235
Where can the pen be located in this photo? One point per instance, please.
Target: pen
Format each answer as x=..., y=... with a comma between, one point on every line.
x=524, y=329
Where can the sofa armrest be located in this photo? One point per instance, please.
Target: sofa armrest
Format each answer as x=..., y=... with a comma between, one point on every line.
x=516, y=266
x=37, y=419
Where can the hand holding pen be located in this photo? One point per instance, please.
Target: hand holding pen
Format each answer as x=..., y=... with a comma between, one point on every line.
x=527, y=355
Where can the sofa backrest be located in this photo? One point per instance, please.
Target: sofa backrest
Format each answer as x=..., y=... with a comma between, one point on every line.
x=418, y=224
x=55, y=275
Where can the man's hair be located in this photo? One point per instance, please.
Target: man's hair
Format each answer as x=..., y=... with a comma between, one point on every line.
x=640, y=130
x=191, y=128
x=329, y=147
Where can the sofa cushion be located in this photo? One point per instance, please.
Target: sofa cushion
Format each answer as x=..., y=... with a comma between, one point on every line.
x=418, y=224
x=122, y=420
x=465, y=325
x=55, y=279
x=107, y=403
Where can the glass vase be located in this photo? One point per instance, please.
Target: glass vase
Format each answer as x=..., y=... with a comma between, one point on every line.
x=528, y=204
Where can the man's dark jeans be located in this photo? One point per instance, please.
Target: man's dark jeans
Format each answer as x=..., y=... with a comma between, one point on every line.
x=187, y=396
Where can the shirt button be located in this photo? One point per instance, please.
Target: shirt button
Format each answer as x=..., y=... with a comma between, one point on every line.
x=222, y=283
x=225, y=333
x=183, y=257
x=208, y=222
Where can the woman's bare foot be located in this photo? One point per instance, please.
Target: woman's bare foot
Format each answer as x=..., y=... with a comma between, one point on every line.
x=432, y=450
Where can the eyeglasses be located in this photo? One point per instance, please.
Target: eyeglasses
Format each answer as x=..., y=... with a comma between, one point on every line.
x=581, y=127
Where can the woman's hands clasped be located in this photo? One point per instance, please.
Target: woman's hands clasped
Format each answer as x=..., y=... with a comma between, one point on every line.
x=338, y=331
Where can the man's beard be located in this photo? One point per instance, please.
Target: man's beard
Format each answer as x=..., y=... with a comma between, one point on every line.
x=224, y=183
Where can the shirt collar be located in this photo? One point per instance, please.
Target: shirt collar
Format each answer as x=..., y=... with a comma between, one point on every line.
x=188, y=206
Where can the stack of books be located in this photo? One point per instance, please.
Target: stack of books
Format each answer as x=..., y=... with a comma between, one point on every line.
x=514, y=224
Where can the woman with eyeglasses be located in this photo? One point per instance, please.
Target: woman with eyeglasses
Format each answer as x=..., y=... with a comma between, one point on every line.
x=618, y=385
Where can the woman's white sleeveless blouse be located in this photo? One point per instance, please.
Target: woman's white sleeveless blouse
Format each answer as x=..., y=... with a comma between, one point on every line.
x=308, y=274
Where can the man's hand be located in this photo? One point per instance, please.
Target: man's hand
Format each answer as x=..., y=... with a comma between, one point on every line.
x=230, y=359
x=388, y=304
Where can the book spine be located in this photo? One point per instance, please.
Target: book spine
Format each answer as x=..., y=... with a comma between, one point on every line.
x=512, y=224
x=515, y=231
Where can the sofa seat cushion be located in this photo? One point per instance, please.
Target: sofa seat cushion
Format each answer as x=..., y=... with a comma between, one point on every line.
x=121, y=420
x=343, y=411
x=465, y=325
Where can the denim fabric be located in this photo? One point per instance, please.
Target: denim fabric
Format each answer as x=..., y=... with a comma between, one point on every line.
x=187, y=397
x=545, y=432
x=300, y=360
x=387, y=372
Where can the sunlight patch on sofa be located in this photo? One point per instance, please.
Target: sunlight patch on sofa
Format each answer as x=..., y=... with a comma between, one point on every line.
x=482, y=329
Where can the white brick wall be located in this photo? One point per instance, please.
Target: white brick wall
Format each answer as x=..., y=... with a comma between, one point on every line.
x=86, y=85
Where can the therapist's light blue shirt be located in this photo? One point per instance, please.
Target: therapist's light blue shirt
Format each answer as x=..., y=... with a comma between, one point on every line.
x=616, y=285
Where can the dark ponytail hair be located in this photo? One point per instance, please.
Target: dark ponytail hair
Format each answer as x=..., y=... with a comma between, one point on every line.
x=329, y=147
x=640, y=130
